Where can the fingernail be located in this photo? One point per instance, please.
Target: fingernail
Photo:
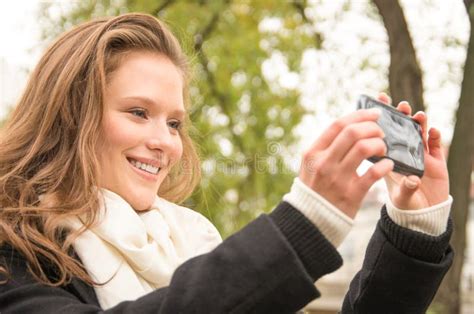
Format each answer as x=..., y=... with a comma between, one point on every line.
x=410, y=184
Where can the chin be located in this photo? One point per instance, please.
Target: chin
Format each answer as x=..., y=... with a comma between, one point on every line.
x=141, y=201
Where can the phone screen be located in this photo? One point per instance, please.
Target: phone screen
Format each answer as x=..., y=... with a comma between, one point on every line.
x=402, y=137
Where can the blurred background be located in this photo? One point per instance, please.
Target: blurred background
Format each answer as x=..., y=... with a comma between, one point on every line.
x=269, y=76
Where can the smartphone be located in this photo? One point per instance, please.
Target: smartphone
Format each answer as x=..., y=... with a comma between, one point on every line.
x=402, y=137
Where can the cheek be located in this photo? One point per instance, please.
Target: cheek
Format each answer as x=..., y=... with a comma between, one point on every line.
x=177, y=150
x=118, y=133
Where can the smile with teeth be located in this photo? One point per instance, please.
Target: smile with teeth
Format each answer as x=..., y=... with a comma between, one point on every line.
x=145, y=167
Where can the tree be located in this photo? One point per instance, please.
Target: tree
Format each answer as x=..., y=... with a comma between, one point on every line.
x=405, y=80
x=460, y=161
x=243, y=120
x=405, y=77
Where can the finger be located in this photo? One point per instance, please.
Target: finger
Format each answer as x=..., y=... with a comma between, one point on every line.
x=328, y=136
x=384, y=98
x=392, y=179
x=407, y=188
x=350, y=135
x=375, y=173
x=422, y=119
x=404, y=107
x=434, y=144
x=361, y=150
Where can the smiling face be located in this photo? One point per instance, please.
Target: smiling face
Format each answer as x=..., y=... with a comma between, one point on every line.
x=143, y=113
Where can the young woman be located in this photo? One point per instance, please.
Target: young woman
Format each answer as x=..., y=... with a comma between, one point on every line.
x=96, y=156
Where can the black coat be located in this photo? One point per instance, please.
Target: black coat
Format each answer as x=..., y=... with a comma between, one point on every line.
x=270, y=266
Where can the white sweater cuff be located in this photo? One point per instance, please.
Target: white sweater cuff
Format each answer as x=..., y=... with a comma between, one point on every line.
x=431, y=220
x=332, y=222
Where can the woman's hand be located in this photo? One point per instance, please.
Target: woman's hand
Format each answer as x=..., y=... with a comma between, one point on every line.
x=329, y=166
x=411, y=192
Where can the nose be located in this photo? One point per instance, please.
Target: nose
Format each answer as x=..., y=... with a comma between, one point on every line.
x=159, y=137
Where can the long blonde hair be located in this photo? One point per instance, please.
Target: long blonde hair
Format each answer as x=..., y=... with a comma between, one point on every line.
x=48, y=162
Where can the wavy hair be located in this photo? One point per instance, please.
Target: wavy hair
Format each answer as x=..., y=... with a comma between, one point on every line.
x=48, y=162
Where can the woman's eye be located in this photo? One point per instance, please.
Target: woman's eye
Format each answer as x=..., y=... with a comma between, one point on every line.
x=141, y=113
x=175, y=124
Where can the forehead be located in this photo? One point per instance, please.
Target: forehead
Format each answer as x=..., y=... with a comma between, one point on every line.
x=147, y=75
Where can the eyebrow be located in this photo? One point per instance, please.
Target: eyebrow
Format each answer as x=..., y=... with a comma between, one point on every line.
x=149, y=101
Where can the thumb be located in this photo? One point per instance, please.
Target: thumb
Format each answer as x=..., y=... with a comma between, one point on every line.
x=407, y=188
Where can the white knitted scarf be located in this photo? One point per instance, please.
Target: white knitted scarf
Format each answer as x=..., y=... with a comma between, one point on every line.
x=136, y=253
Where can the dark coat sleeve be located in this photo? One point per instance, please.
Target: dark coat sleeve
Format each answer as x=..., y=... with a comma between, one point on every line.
x=402, y=270
x=270, y=266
